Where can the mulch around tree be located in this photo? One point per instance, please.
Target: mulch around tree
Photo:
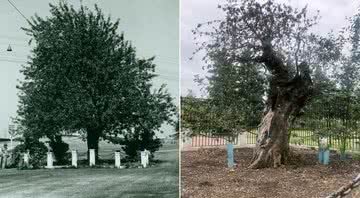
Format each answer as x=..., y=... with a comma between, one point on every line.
x=204, y=173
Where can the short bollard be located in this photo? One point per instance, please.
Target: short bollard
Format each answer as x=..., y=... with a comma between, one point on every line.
x=26, y=159
x=74, y=158
x=4, y=161
x=117, y=159
x=92, y=157
x=324, y=153
x=1, y=161
x=230, y=155
x=144, y=158
x=50, y=161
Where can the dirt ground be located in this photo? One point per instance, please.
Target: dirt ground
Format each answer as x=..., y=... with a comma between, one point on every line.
x=204, y=173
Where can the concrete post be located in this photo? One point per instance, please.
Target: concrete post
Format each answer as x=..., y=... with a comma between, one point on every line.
x=144, y=161
x=1, y=160
x=242, y=139
x=74, y=158
x=92, y=157
x=50, y=160
x=26, y=159
x=117, y=159
x=4, y=161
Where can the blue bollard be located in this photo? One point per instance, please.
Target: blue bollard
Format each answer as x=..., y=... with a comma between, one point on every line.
x=326, y=157
x=321, y=155
x=230, y=155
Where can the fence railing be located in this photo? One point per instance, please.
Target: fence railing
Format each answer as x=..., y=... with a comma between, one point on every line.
x=307, y=138
x=205, y=140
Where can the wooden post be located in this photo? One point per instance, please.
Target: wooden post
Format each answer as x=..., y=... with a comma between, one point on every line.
x=92, y=157
x=50, y=160
x=117, y=159
x=74, y=158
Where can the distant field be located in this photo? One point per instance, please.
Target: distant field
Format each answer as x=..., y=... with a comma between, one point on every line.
x=158, y=181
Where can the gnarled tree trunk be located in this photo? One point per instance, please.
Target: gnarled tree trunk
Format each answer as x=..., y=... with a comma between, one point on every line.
x=287, y=96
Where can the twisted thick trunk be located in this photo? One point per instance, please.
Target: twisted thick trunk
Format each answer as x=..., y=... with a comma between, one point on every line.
x=92, y=140
x=285, y=100
x=286, y=97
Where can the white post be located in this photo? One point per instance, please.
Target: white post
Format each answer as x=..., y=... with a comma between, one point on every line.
x=50, y=161
x=92, y=157
x=143, y=159
x=242, y=139
x=74, y=158
x=117, y=159
x=26, y=159
x=147, y=157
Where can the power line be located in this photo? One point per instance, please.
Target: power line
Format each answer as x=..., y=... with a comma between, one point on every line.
x=18, y=10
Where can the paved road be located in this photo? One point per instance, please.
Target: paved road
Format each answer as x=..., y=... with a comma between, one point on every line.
x=159, y=181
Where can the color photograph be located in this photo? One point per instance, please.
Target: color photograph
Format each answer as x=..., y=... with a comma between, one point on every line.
x=270, y=98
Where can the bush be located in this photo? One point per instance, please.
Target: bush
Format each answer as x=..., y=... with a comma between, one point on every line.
x=60, y=149
x=16, y=155
x=134, y=143
x=37, y=150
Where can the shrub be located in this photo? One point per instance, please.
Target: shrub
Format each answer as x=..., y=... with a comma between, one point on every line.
x=140, y=141
x=37, y=150
x=16, y=155
x=60, y=149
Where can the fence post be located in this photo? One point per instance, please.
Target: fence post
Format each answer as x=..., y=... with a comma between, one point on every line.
x=117, y=159
x=74, y=158
x=92, y=157
x=50, y=161
x=230, y=155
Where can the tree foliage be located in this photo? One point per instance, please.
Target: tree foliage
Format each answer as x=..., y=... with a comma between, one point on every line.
x=84, y=77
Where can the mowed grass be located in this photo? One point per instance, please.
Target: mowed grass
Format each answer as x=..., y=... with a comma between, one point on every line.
x=160, y=180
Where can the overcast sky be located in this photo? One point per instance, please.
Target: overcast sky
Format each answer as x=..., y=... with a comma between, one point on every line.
x=333, y=13
x=152, y=26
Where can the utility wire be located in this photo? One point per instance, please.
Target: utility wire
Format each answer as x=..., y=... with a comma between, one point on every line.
x=18, y=10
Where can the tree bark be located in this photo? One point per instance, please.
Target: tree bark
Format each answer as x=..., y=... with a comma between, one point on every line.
x=272, y=146
x=92, y=140
x=287, y=96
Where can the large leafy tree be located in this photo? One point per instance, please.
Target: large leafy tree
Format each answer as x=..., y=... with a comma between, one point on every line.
x=277, y=38
x=84, y=77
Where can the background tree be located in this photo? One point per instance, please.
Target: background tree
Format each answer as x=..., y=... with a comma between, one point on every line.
x=83, y=77
x=277, y=38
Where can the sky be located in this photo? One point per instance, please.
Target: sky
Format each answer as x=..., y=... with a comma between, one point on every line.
x=333, y=17
x=152, y=26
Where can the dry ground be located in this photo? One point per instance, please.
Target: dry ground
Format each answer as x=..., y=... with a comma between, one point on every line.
x=204, y=174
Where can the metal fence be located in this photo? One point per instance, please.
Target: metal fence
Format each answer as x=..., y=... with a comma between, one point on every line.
x=209, y=140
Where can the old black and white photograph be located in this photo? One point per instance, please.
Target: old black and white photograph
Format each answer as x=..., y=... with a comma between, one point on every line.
x=89, y=100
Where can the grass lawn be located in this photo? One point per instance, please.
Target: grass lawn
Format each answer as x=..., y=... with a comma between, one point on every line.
x=160, y=180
